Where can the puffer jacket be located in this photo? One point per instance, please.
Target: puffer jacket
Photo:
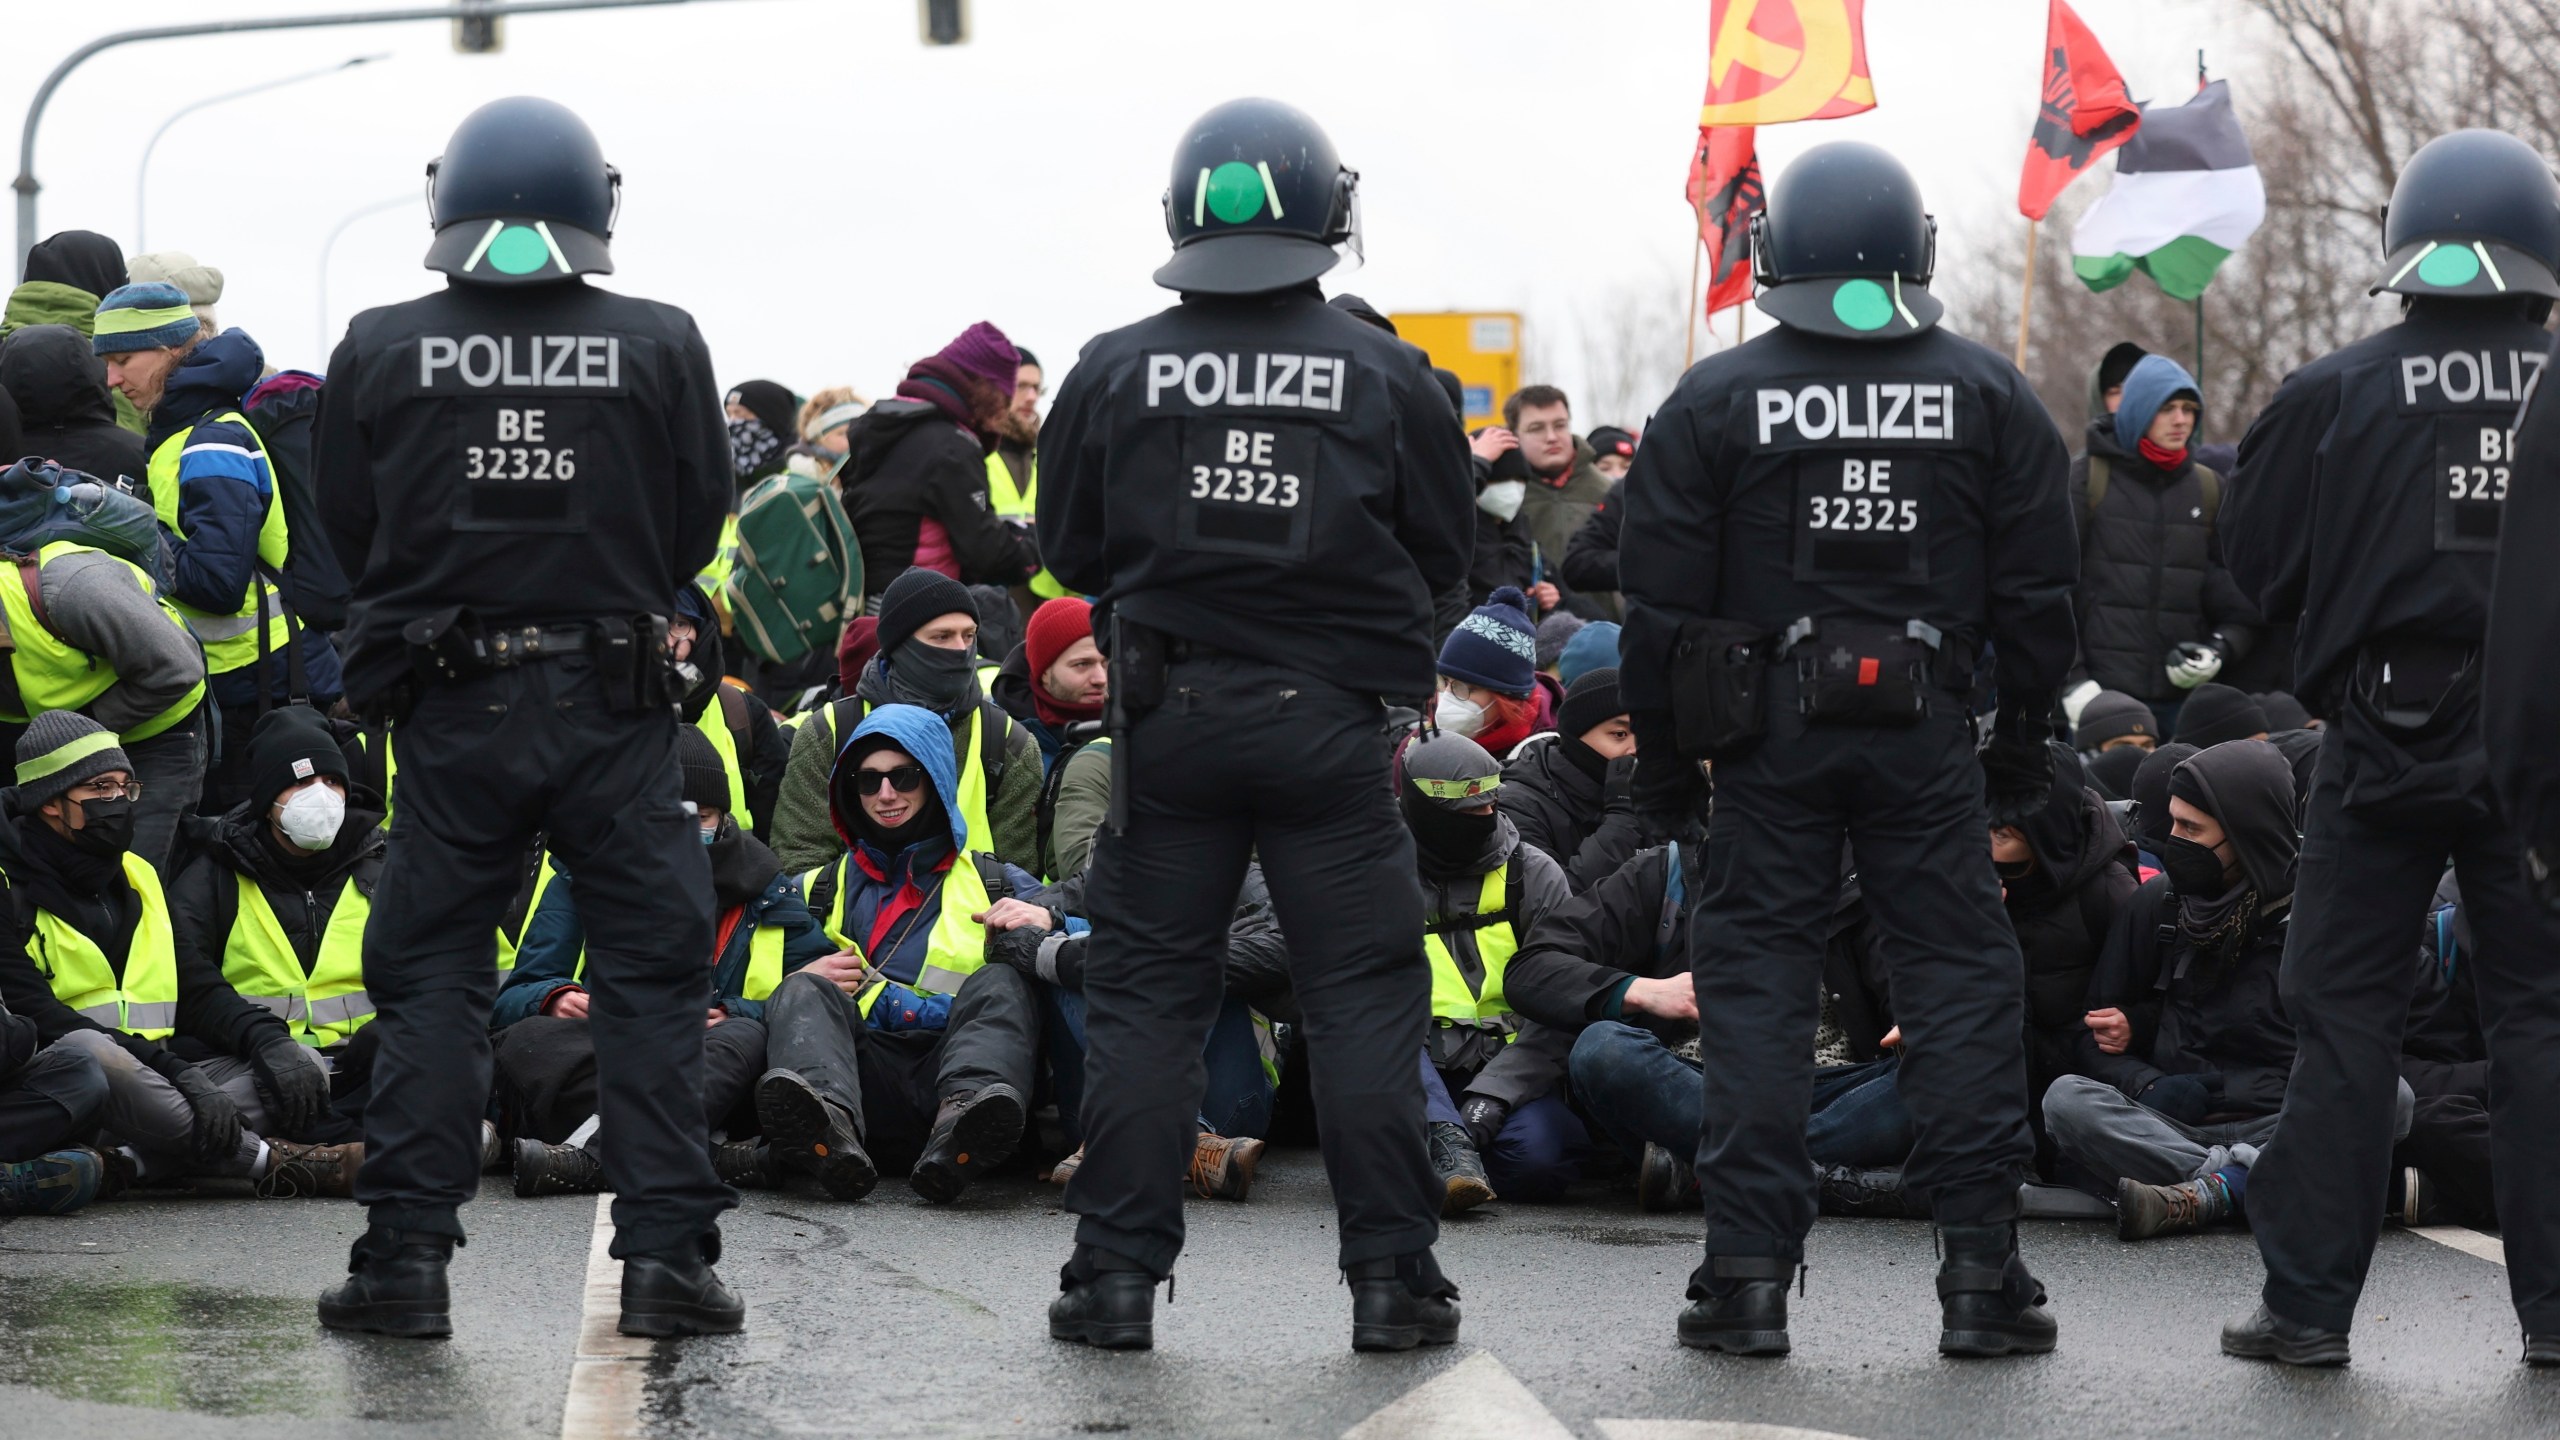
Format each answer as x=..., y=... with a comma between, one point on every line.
x=915, y=488
x=2151, y=571
x=1583, y=819
x=65, y=405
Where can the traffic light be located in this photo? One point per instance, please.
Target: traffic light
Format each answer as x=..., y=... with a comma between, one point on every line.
x=475, y=34
x=943, y=22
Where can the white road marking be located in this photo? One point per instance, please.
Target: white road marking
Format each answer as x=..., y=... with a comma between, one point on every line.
x=1476, y=1399
x=1709, y=1430
x=2469, y=1242
x=605, y=1381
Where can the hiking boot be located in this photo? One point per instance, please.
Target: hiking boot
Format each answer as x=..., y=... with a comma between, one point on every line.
x=1664, y=1181
x=395, y=1285
x=556, y=1170
x=1400, y=1302
x=1222, y=1166
x=2188, y=1208
x=1738, y=1305
x=1461, y=1171
x=1065, y=1170
x=1867, y=1194
x=1105, y=1300
x=300, y=1171
x=801, y=1124
x=972, y=1134
x=2542, y=1352
x=55, y=1183
x=1988, y=1303
x=674, y=1292
x=2266, y=1335
x=747, y=1164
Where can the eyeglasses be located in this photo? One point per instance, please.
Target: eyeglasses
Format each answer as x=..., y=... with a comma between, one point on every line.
x=108, y=790
x=906, y=779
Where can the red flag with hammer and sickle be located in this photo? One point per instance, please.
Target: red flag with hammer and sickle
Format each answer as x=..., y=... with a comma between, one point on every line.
x=1772, y=61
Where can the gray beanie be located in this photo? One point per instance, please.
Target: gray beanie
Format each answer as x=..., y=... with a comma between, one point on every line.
x=60, y=749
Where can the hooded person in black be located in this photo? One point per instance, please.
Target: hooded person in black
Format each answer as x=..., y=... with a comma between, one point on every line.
x=2150, y=818
x=2065, y=873
x=1567, y=791
x=758, y=751
x=759, y=437
x=64, y=405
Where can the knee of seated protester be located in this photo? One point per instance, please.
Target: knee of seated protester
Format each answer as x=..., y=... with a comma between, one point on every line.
x=73, y=1078
x=102, y=1048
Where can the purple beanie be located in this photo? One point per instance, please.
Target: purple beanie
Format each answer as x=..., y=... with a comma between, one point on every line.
x=983, y=351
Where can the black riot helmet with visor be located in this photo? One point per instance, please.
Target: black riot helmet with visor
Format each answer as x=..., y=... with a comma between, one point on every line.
x=522, y=195
x=2474, y=214
x=1844, y=246
x=1259, y=201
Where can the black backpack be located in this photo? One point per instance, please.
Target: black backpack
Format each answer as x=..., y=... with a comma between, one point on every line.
x=314, y=584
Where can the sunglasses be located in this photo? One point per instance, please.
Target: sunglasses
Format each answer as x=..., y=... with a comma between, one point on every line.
x=907, y=779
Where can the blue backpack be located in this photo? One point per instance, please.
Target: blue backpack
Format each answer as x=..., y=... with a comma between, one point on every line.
x=41, y=502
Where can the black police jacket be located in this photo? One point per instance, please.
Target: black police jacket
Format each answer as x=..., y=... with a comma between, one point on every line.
x=1801, y=475
x=2520, y=699
x=542, y=454
x=1267, y=475
x=2368, y=495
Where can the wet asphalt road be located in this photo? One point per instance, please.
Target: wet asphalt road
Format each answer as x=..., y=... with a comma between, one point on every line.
x=190, y=1316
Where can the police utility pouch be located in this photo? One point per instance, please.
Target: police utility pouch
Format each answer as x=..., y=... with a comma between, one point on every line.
x=2411, y=733
x=1719, y=703
x=1860, y=672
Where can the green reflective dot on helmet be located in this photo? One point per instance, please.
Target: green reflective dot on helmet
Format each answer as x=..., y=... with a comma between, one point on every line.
x=1862, y=305
x=1235, y=192
x=2449, y=266
x=518, y=250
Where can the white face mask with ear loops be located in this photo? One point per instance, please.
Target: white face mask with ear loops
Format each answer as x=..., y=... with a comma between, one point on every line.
x=312, y=816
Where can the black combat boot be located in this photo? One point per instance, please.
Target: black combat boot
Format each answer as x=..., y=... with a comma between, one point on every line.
x=807, y=1127
x=395, y=1285
x=1738, y=1304
x=2266, y=1335
x=1400, y=1302
x=674, y=1292
x=1870, y=1194
x=557, y=1170
x=747, y=1164
x=2542, y=1352
x=1106, y=1301
x=972, y=1134
x=1988, y=1302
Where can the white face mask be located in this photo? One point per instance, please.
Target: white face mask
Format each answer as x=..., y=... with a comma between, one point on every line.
x=312, y=816
x=1502, y=498
x=1457, y=715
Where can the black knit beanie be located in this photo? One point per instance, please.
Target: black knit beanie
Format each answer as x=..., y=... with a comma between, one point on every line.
x=1589, y=701
x=914, y=599
x=2215, y=713
x=288, y=746
x=706, y=780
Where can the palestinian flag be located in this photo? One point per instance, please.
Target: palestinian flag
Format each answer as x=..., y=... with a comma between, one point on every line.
x=2186, y=195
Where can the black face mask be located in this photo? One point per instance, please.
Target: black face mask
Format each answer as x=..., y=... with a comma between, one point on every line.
x=930, y=676
x=2194, y=870
x=107, y=827
x=1449, y=840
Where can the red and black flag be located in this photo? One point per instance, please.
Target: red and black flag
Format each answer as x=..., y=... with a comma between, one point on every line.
x=1724, y=191
x=2085, y=112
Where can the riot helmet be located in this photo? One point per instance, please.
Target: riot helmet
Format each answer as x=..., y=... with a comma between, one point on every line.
x=1259, y=202
x=521, y=195
x=1844, y=248
x=2475, y=214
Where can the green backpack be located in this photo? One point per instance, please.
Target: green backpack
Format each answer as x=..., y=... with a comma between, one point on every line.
x=797, y=568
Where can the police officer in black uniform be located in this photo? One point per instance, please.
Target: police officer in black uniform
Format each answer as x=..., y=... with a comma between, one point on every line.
x=519, y=472
x=2366, y=507
x=1823, y=529
x=1264, y=493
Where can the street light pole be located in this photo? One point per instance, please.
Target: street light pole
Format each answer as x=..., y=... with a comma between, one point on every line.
x=142, y=170
x=320, y=329
x=27, y=185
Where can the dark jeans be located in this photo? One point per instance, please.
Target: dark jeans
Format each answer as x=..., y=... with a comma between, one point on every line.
x=546, y=1067
x=1638, y=1089
x=54, y=1102
x=485, y=763
x=892, y=1081
x=2365, y=884
x=1247, y=758
x=1236, y=1101
x=1540, y=1149
x=170, y=766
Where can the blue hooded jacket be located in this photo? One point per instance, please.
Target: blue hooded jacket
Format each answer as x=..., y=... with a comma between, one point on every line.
x=2148, y=386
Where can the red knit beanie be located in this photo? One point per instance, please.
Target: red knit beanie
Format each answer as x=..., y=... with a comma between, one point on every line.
x=1055, y=626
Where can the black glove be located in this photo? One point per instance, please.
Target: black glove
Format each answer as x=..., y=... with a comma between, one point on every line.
x=2017, y=768
x=1618, y=784
x=299, y=1088
x=217, y=1119
x=1665, y=788
x=1018, y=947
x=1484, y=1117
x=2182, y=1098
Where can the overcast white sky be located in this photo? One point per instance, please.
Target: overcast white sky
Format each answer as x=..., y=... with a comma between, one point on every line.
x=833, y=200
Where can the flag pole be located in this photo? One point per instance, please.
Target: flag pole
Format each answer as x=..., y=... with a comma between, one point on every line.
x=1697, y=250
x=2027, y=295
x=2199, y=338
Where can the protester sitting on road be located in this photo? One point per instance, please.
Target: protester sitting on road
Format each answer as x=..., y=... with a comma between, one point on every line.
x=65, y=409
x=904, y=1044
x=2440, y=1169
x=546, y=1052
x=2217, y=713
x=1613, y=451
x=196, y=1076
x=763, y=415
x=1567, y=791
x=1056, y=677
x=50, y=1099
x=1488, y=677
x=926, y=639
x=2181, y=1071
x=915, y=476
x=2065, y=874
x=1484, y=891
x=1554, y=633
x=2113, y=720
x=1593, y=647
x=741, y=728
x=274, y=893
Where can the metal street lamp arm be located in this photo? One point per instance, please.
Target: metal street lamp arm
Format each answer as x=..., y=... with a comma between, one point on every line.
x=142, y=170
